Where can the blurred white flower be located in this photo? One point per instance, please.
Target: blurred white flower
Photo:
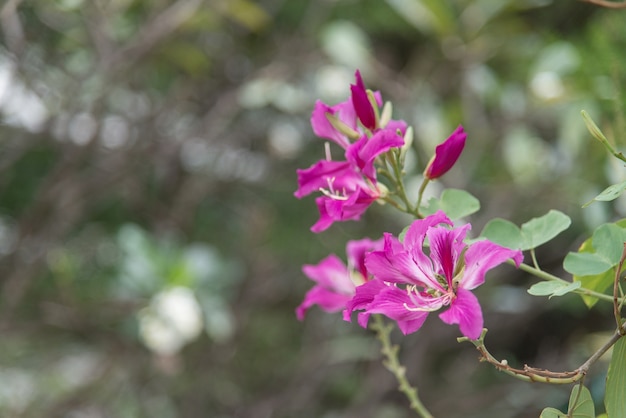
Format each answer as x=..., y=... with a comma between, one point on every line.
x=173, y=319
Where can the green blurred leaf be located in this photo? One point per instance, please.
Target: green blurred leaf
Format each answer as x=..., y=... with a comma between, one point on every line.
x=503, y=232
x=615, y=396
x=540, y=230
x=455, y=203
x=552, y=413
x=553, y=288
x=610, y=193
x=247, y=13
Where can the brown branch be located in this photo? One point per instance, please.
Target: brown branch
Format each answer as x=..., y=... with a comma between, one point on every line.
x=607, y=4
x=533, y=374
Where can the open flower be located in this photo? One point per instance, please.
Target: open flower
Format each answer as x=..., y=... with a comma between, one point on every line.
x=446, y=154
x=336, y=282
x=416, y=283
x=349, y=187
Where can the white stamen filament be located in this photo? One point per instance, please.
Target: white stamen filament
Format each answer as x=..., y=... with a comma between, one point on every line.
x=330, y=192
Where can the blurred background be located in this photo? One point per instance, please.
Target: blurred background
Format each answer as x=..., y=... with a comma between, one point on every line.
x=150, y=244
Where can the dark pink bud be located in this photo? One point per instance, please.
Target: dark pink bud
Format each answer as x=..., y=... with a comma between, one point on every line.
x=361, y=102
x=446, y=154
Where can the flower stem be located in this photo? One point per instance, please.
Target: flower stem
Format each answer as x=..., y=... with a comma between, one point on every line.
x=616, y=304
x=391, y=362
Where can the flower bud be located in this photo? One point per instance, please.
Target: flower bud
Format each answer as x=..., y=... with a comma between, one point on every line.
x=446, y=154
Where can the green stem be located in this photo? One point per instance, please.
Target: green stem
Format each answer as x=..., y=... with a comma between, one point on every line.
x=391, y=362
x=420, y=194
x=550, y=277
x=616, y=294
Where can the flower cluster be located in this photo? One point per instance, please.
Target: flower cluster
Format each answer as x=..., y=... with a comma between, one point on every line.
x=350, y=186
x=406, y=283
x=398, y=279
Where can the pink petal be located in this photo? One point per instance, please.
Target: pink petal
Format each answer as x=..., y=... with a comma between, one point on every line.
x=356, y=251
x=465, y=311
x=351, y=208
x=363, y=296
x=392, y=302
x=323, y=128
x=446, y=247
x=446, y=154
x=362, y=104
x=331, y=273
x=338, y=173
x=363, y=152
x=414, y=237
x=327, y=300
x=481, y=257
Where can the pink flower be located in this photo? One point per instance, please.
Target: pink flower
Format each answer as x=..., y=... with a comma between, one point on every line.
x=446, y=154
x=416, y=283
x=346, y=193
x=336, y=282
x=349, y=187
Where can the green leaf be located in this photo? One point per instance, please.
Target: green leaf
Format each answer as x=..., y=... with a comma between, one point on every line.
x=585, y=264
x=610, y=193
x=553, y=288
x=455, y=203
x=540, y=230
x=615, y=395
x=503, y=232
x=581, y=404
x=598, y=283
x=552, y=413
x=594, y=266
x=532, y=234
x=608, y=241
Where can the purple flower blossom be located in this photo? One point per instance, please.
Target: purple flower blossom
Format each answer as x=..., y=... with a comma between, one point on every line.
x=446, y=154
x=414, y=283
x=349, y=187
x=335, y=282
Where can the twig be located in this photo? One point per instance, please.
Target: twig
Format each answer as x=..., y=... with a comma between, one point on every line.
x=533, y=374
x=392, y=364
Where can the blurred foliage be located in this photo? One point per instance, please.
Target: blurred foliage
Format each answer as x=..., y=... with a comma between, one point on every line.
x=148, y=149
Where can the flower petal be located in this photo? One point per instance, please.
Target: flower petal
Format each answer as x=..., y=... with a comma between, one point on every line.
x=323, y=175
x=327, y=300
x=446, y=247
x=363, y=152
x=331, y=273
x=392, y=303
x=363, y=296
x=465, y=311
x=481, y=257
x=357, y=250
x=414, y=237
